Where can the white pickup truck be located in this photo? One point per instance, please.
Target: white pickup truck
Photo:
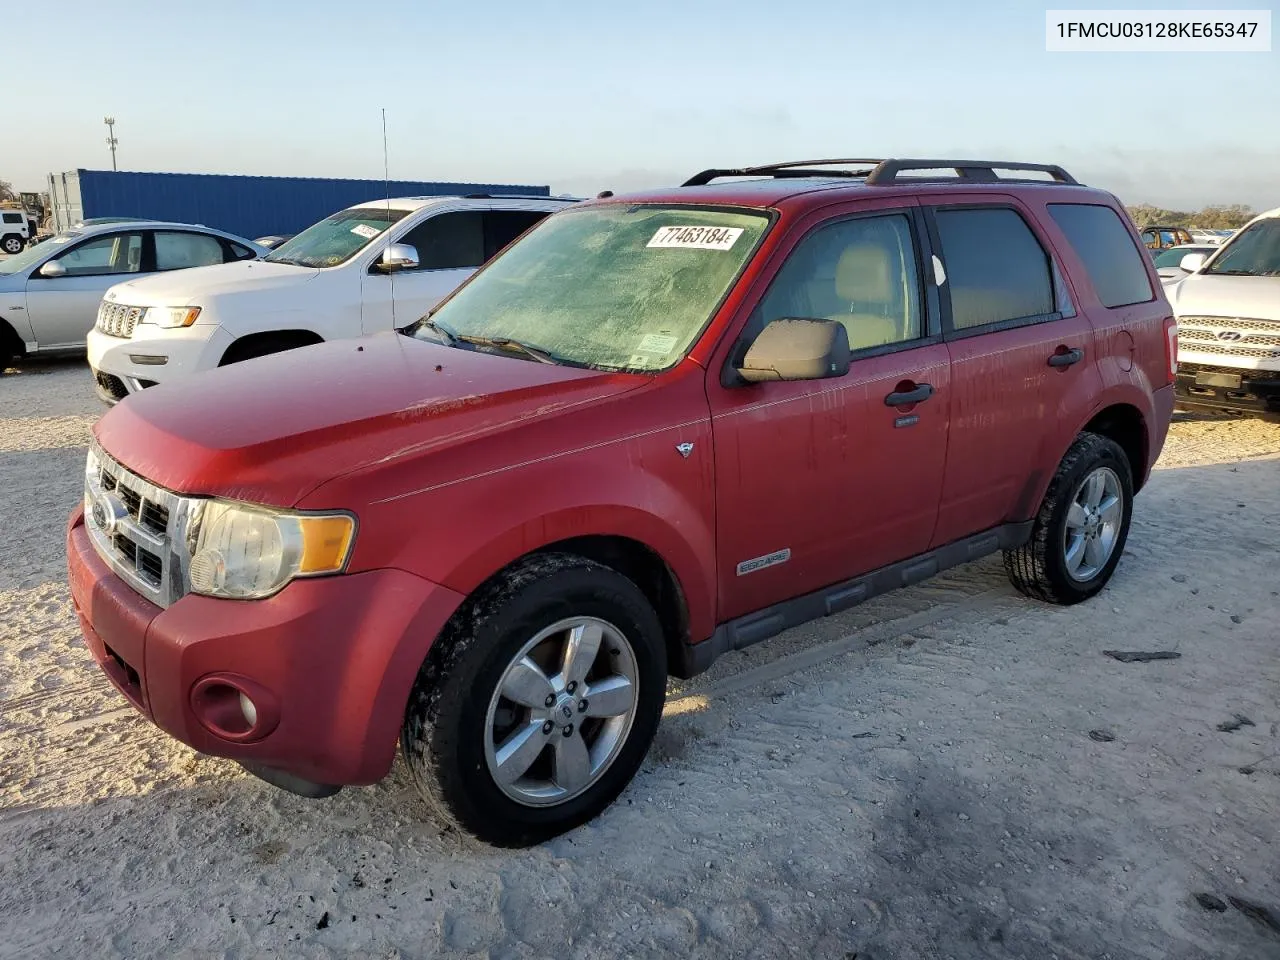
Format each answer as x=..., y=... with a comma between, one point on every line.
x=373, y=267
x=1228, y=311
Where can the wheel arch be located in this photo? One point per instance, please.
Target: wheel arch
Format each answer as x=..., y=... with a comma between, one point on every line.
x=241, y=347
x=10, y=340
x=1124, y=424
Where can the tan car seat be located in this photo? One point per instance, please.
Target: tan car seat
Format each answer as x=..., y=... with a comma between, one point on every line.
x=864, y=280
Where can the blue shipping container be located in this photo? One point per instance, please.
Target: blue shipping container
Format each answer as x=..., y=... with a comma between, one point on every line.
x=249, y=206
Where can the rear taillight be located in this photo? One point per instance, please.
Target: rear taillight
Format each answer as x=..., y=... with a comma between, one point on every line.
x=1171, y=346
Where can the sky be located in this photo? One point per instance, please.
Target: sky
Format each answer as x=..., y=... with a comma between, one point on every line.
x=586, y=96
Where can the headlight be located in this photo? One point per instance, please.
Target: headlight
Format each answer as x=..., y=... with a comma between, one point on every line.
x=246, y=553
x=171, y=317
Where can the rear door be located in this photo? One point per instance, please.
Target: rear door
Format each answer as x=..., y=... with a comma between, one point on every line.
x=62, y=310
x=1022, y=360
x=819, y=481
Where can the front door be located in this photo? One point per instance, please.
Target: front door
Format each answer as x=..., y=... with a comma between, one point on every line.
x=1022, y=362
x=62, y=309
x=823, y=480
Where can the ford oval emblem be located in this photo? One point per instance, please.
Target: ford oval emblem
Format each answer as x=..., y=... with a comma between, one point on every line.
x=108, y=510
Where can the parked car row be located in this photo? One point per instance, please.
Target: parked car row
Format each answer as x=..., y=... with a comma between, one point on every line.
x=50, y=292
x=655, y=429
x=365, y=269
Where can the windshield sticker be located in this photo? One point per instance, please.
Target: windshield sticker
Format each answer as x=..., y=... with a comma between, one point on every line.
x=696, y=238
x=366, y=231
x=656, y=343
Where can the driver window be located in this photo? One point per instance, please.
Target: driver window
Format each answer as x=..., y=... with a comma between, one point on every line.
x=448, y=241
x=114, y=253
x=861, y=272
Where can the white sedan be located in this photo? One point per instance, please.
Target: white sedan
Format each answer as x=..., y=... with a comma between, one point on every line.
x=50, y=292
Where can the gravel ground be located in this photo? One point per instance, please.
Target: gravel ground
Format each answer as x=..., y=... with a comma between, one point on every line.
x=950, y=771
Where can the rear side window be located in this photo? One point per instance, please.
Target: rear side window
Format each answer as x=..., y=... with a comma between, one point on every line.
x=180, y=251
x=1103, y=244
x=996, y=268
x=503, y=226
x=13, y=218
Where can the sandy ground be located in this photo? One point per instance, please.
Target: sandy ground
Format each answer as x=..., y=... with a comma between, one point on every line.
x=952, y=771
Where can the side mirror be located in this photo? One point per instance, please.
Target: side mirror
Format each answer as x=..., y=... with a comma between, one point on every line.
x=1192, y=262
x=797, y=348
x=398, y=256
x=53, y=269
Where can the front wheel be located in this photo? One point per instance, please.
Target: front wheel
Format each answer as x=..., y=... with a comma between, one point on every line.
x=1079, y=534
x=539, y=701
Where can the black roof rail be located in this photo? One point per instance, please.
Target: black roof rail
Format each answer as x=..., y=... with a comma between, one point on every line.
x=881, y=172
x=791, y=168
x=982, y=171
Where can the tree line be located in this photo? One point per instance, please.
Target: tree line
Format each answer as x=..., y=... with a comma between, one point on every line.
x=1216, y=217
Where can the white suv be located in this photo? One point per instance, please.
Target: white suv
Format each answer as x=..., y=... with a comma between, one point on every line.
x=15, y=231
x=1228, y=310
x=377, y=266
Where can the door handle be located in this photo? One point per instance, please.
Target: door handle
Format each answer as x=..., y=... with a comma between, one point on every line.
x=901, y=398
x=1065, y=357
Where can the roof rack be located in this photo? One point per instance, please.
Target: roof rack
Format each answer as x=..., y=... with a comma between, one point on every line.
x=882, y=172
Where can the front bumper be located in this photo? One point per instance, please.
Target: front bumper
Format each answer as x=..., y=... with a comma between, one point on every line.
x=328, y=662
x=1209, y=387
x=124, y=365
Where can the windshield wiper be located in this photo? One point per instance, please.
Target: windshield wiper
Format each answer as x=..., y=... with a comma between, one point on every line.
x=506, y=343
x=1235, y=273
x=444, y=333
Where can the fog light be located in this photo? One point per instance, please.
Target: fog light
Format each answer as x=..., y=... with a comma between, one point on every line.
x=249, y=710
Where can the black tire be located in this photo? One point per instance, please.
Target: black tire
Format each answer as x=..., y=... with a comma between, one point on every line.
x=6, y=355
x=261, y=346
x=12, y=243
x=445, y=724
x=1039, y=567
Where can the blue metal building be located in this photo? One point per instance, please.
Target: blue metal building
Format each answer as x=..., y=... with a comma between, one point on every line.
x=248, y=206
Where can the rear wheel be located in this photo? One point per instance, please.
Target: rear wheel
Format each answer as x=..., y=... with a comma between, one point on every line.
x=1079, y=534
x=12, y=244
x=539, y=701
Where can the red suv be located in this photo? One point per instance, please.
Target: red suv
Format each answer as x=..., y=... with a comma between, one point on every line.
x=657, y=428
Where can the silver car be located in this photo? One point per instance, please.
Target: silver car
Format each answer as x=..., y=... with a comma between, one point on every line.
x=50, y=292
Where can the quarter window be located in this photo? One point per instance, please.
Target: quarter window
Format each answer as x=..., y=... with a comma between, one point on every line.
x=114, y=253
x=861, y=272
x=996, y=269
x=13, y=218
x=178, y=251
x=1102, y=242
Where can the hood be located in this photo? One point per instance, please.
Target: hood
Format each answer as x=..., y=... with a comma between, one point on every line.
x=1211, y=295
x=271, y=429
x=180, y=288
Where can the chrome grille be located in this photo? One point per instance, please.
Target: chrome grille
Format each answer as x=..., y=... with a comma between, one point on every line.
x=117, y=320
x=1230, y=337
x=137, y=528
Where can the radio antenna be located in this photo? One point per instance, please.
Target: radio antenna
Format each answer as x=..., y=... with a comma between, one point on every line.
x=386, y=177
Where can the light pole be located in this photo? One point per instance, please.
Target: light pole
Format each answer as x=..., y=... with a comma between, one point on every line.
x=111, y=138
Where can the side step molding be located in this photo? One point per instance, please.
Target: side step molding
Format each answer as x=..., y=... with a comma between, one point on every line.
x=752, y=628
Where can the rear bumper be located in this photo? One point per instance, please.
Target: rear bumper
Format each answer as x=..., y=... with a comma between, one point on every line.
x=328, y=663
x=1258, y=392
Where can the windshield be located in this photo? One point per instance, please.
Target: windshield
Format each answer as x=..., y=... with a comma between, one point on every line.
x=1173, y=256
x=1253, y=252
x=336, y=239
x=34, y=254
x=613, y=287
